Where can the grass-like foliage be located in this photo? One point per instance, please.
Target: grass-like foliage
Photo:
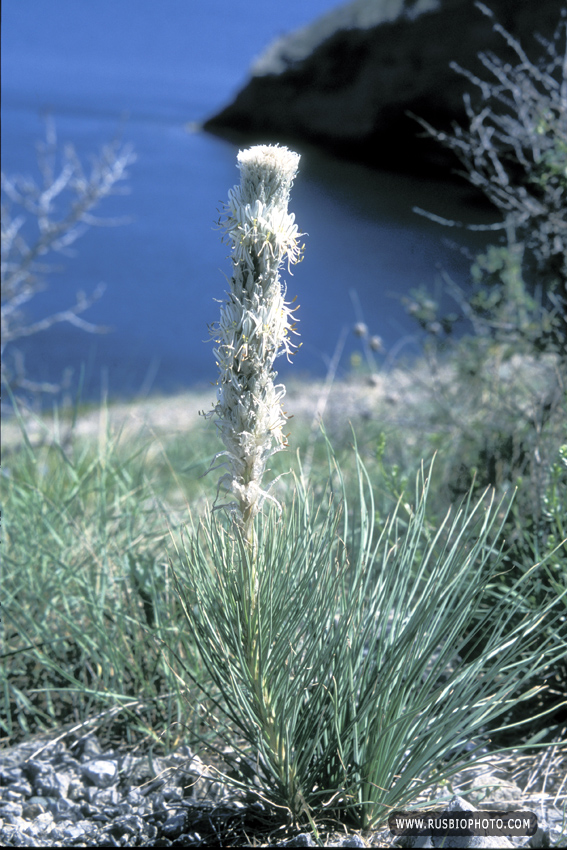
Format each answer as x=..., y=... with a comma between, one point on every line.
x=352, y=661
x=85, y=592
x=354, y=664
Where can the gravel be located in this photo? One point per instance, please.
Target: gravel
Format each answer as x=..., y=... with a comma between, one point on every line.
x=64, y=792
x=54, y=793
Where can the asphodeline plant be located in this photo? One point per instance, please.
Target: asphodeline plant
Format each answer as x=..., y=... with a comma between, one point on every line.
x=355, y=665
x=255, y=325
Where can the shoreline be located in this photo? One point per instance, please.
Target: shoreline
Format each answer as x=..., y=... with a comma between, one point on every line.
x=399, y=394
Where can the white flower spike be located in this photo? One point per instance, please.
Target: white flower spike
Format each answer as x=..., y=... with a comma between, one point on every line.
x=255, y=323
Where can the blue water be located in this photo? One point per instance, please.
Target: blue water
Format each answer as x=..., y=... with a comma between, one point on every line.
x=145, y=71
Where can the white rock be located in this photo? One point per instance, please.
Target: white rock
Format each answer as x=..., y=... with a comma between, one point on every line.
x=101, y=773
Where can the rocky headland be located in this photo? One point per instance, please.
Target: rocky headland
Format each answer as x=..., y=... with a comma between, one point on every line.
x=348, y=81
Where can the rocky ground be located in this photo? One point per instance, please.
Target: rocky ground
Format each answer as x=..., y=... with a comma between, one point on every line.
x=67, y=790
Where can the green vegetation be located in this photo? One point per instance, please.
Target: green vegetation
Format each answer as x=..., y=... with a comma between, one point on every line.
x=85, y=590
x=356, y=669
x=106, y=620
x=513, y=364
x=338, y=653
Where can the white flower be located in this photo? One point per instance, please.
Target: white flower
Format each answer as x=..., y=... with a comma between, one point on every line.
x=255, y=324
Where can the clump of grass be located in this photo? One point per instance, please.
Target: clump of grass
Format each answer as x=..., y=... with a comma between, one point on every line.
x=362, y=669
x=85, y=589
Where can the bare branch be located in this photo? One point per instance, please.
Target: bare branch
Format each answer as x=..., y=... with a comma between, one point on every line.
x=499, y=225
x=514, y=150
x=515, y=146
x=61, y=208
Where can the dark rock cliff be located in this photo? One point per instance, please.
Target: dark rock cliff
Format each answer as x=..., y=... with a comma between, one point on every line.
x=347, y=81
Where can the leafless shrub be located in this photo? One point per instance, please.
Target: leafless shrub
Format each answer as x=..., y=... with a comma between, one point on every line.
x=515, y=151
x=60, y=207
x=501, y=411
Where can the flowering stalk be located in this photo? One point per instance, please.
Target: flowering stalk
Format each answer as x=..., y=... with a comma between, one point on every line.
x=255, y=324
